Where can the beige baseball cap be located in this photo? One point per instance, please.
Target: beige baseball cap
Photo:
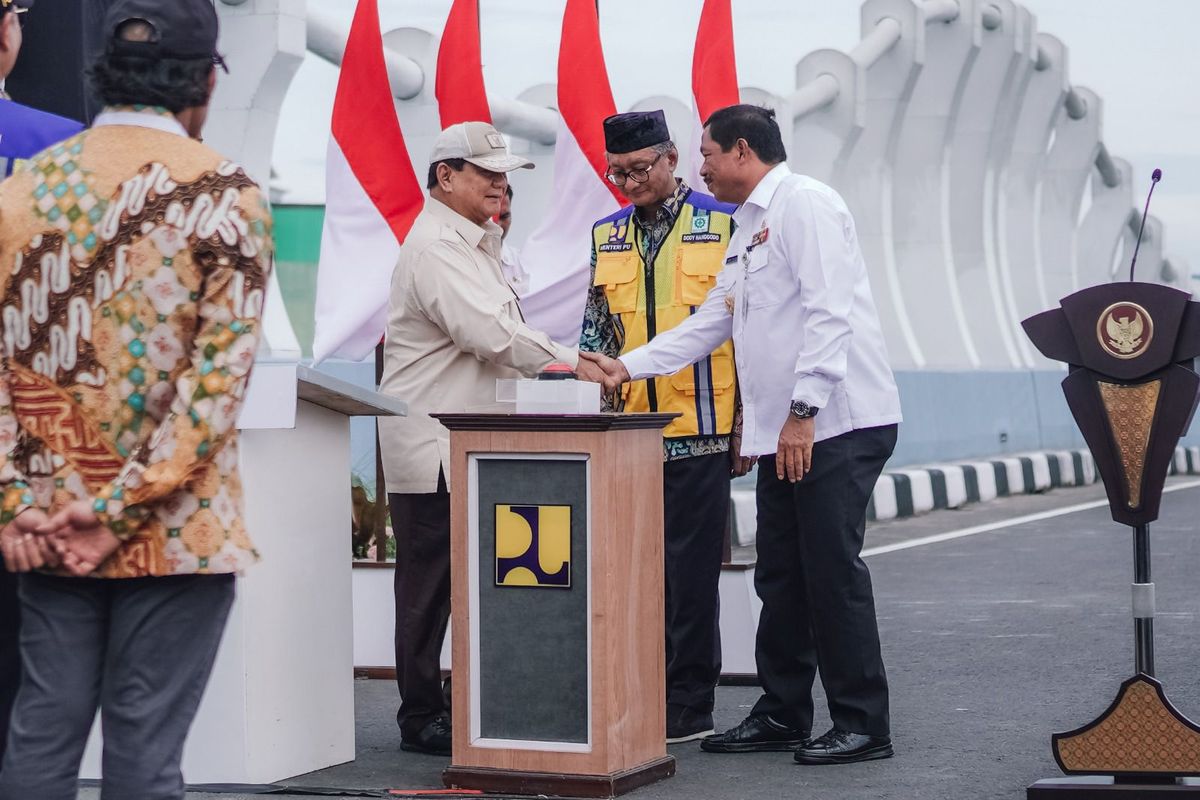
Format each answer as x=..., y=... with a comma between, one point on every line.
x=480, y=144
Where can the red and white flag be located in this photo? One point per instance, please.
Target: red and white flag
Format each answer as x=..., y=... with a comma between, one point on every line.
x=459, y=85
x=557, y=254
x=371, y=199
x=714, y=74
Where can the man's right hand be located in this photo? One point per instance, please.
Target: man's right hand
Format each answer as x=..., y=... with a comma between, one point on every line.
x=614, y=371
x=590, y=371
x=82, y=542
x=24, y=548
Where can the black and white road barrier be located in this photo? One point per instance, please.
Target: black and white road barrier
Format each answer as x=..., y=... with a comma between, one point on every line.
x=906, y=491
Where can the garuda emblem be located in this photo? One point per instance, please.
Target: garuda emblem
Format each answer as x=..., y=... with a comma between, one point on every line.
x=1124, y=330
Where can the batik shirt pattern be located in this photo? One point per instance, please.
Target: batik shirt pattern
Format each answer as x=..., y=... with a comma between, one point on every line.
x=133, y=267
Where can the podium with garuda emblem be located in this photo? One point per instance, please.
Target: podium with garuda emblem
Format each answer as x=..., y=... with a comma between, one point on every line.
x=1132, y=389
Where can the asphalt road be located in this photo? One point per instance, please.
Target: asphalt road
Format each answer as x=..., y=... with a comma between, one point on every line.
x=992, y=640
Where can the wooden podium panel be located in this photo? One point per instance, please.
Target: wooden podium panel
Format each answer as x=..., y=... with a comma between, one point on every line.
x=557, y=603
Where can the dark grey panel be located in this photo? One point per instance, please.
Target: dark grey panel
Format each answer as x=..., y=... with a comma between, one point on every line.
x=533, y=655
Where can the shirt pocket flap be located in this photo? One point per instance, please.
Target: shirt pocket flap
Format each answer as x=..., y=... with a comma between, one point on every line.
x=504, y=299
x=614, y=269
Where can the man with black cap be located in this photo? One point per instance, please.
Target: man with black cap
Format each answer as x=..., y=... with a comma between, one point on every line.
x=133, y=266
x=653, y=263
x=454, y=329
x=23, y=132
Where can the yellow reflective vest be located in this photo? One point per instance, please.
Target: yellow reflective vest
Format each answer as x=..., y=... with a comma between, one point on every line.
x=684, y=270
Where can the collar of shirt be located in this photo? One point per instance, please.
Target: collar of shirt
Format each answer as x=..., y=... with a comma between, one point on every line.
x=761, y=196
x=471, y=233
x=140, y=116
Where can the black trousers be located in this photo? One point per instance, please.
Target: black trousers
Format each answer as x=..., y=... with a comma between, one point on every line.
x=422, y=526
x=141, y=650
x=695, y=512
x=10, y=653
x=818, y=609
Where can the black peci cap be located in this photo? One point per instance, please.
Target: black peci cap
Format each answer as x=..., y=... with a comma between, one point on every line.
x=19, y=6
x=624, y=133
x=182, y=29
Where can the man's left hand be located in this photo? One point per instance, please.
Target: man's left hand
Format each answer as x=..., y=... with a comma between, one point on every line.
x=793, y=460
x=81, y=540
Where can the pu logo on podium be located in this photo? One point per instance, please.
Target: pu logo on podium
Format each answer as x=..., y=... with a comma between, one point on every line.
x=533, y=546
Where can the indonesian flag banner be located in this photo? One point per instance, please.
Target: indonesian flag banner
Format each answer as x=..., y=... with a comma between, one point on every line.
x=557, y=254
x=714, y=74
x=459, y=85
x=371, y=199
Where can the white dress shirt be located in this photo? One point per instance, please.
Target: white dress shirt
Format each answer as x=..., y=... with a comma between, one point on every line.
x=795, y=297
x=514, y=273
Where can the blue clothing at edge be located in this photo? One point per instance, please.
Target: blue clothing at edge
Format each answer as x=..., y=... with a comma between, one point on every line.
x=25, y=132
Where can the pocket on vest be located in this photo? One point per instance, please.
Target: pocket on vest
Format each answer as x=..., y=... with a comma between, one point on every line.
x=697, y=267
x=617, y=273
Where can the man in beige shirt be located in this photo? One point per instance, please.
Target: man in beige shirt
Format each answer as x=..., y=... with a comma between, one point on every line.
x=454, y=328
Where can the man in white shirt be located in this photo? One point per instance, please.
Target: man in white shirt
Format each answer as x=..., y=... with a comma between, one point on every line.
x=510, y=256
x=454, y=328
x=820, y=408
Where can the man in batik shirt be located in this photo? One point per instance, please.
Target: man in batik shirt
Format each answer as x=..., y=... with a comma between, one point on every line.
x=133, y=265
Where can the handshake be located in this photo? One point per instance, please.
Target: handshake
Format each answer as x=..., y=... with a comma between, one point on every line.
x=598, y=368
x=73, y=540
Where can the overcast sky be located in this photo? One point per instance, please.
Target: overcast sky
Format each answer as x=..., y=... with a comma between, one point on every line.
x=1142, y=58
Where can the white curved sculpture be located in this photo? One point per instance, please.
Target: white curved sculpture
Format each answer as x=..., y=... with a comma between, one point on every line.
x=1064, y=179
x=929, y=144
x=977, y=154
x=850, y=143
x=1099, y=236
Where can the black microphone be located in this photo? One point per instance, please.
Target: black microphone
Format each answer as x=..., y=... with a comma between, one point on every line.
x=1155, y=177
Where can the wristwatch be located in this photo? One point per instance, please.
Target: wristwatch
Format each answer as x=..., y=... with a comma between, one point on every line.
x=802, y=410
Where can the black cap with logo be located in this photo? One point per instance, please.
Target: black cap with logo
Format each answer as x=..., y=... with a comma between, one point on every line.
x=182, y=29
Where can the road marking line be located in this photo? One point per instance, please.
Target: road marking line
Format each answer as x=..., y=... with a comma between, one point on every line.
x=1009, y=523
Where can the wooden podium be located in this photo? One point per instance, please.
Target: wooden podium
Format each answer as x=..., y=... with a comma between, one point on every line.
x=557, y=602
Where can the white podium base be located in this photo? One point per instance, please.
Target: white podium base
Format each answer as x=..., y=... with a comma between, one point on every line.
x=374, y=620
x=281, y=699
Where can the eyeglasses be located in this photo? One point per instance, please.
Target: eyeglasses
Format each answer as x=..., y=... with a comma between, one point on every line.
x=619, y=177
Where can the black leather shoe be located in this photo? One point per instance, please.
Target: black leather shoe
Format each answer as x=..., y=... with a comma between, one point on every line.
x=685, y=724
x=755, y=734
x=434, y=739
x=843, y=747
